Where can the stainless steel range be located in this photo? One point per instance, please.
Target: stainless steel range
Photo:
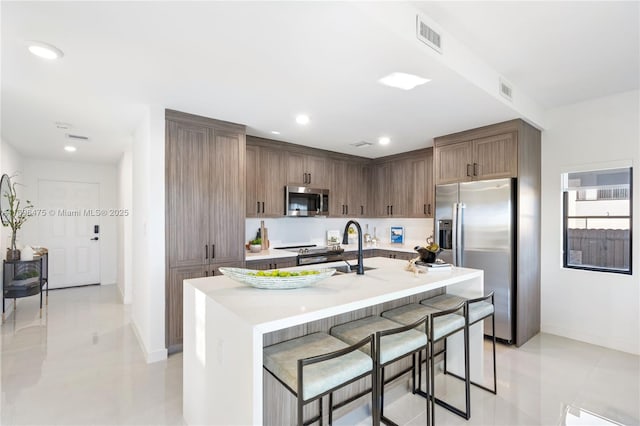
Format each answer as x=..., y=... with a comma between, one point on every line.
x=312, y=254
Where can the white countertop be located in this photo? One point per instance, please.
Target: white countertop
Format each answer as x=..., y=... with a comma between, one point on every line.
x=273, y=253
x=269, y=310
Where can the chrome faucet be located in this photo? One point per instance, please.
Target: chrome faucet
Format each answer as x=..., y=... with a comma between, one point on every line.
x=345, y=240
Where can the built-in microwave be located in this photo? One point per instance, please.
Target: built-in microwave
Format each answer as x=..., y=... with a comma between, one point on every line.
x=305, y=201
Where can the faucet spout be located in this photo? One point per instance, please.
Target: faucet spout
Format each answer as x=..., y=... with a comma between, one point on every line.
x=345, y=240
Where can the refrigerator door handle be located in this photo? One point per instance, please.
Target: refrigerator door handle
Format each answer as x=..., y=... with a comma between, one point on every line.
x=457, y=234
x=460, y=241
x=454, y=236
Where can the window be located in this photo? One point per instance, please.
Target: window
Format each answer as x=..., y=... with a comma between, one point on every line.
x=597, y=220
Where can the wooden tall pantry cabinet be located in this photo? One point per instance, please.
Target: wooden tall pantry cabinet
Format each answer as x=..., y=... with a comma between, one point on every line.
x=205, y=205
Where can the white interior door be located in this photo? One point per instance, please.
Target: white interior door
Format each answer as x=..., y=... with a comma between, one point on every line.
x=68, y=231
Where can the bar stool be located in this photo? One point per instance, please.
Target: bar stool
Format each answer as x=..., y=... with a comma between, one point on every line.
x=477, y=310
x=317, y=364
x=393, y=342
x=441, y=324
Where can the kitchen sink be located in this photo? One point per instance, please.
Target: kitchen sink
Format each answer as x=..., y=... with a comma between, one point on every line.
x=346, y=269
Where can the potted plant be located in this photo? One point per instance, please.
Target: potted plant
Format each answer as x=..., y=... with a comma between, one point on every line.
x=14, y=215
x=255, y=245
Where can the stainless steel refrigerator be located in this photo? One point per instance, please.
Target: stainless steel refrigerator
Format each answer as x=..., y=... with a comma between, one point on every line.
x=475, y=226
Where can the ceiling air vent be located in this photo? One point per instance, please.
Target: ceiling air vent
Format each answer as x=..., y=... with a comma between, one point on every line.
x=77, y=137
x=361, y=144
x=428, y=35
x=506, y=90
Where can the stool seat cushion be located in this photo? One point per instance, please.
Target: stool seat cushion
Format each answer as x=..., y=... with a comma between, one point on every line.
x=443, y=301
x=391, y=346
x=281, y=360
x=442, y=326
x=477, y=310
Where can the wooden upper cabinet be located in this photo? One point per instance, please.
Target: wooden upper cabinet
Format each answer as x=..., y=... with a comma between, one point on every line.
x=266, y=179
x=495, y=157
x=453, y=163
x=273, y=169
x=358, y=186
x=420, y=181
x=402, y=186
x=307, y=169
x=187, y=169
x=339, y=191
x=490, y=157
x=252, y=202
x=348, y=191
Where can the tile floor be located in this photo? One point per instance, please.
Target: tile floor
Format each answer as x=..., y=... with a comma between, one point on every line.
x=81, y=365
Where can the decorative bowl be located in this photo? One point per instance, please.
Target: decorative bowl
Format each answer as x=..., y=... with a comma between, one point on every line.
x=249, y=277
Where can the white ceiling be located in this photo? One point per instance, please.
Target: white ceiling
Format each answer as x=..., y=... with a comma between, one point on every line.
x=261, y=63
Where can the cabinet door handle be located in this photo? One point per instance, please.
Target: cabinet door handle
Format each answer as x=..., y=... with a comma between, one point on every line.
x=213, y=251
x=392, y=210
x=347, y=208
x=362, y=210
x=206, y=251
x=206, y=273
x=309, y=179
x=429, y=209
x=424, y=209
x=387, y=210
x=258, y=211
x=468, y=172
x=475, y=169
x=263, y=207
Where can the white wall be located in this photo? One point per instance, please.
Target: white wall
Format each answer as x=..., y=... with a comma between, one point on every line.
x=105, y=175
x=293, y=230
x=12, y=164
x=595, y=307
x=148, y=301
x=125, y=227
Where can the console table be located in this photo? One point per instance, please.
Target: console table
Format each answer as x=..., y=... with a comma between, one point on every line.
x=24, y=278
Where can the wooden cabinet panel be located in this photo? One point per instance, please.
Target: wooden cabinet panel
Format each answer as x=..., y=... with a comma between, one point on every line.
x=420, y=182
x=495, y=157
x=272, y=180
x=173, y=299
x=381, y=186
x=276, y=263
x=307, y=169
x=205, y=205
x=266, y=178
x=252, y=201
x=399, y=187
x=187, y=197
x=227, y=198
x=454, y=163
x=316, y=168
x=348, y=191
x=490, y=157
x=296, y=173
x=339, y=191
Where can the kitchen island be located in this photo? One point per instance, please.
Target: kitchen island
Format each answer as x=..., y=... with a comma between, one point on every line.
x=225, y=324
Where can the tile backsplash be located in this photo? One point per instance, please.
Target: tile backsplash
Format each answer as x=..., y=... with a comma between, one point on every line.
x=297, y=230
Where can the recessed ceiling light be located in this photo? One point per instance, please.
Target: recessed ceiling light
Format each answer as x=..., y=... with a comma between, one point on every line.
x=44, y=50
x=70, y=148
x=275, y=132
x=302, y=119
x=384, y=140
x=402, y=80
